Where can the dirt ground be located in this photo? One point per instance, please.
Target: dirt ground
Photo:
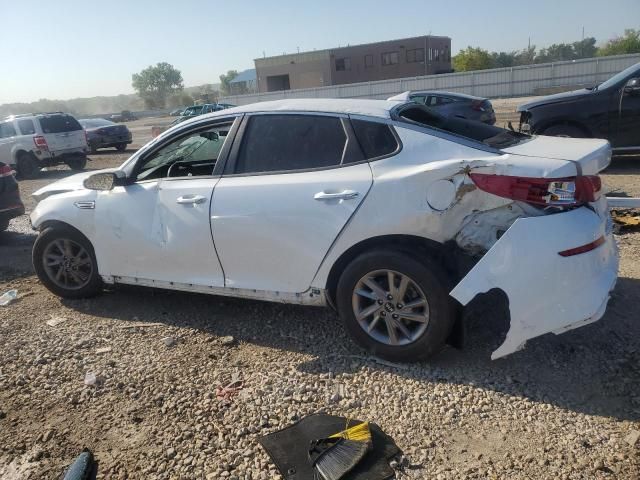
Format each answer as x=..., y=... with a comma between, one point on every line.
x=565, y=407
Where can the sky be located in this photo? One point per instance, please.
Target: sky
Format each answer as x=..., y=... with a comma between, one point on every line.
x=61, y=49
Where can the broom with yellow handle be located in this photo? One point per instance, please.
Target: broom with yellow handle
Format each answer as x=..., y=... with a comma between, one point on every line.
x=336, y=455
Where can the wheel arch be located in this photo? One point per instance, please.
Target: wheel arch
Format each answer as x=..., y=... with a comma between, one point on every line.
x=565, y=122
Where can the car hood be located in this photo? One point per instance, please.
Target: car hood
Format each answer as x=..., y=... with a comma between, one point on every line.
x=68, y=184
x=557, y=98
x=591, y=155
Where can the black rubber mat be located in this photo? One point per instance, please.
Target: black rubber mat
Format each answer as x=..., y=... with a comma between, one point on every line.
x=288, y=448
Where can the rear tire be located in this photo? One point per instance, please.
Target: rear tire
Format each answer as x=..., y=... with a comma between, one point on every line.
x=78, y=162
x=121, y=147
x=93, y=147
x=27, y=166
x=414, y=316
x=561, y=130
x=66, y=264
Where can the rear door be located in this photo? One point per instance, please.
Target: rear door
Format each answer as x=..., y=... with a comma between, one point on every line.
x=62, y=132
x=292, y=183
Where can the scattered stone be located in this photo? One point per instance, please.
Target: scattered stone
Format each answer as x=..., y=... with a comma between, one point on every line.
x=170, y=341
x=103, y=350
x=632, y=438
x=170, y=453
x=227, y=341
x=55, y=321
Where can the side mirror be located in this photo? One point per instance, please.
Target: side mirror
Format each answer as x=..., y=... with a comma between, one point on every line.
x=633, y=86
x=104, y=180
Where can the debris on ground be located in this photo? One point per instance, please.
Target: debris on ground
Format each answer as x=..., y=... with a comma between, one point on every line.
x=632, y=438
x=83, y=468
x=103, y=350
x=233, y=388
x=290, y=447
x=55, y=321
x=170, y=341
x=141, y=325
x=626, y=220
x=8, y=297
x=90, y=379
x=227, y=341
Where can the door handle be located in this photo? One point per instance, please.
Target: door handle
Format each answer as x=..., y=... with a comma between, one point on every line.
x=191, y=199
x=343, y=195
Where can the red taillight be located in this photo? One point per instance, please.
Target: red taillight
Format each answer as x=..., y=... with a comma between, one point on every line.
x=5, y=171
x=582, y=249
x=40, y=142
x=478, y=105
x=541, y=191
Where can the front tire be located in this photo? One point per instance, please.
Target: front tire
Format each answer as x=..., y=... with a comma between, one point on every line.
x=395, y=306
x=78, y=162
x=65, y=263
x=121, y=147
x=562, y=130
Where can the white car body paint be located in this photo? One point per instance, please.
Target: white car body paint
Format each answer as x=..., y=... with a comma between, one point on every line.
x=267, y=237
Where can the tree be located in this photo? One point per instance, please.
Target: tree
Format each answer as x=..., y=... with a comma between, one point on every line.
x=180, y=100
x=502, y=59
x=225, y=87
x=556, y=53
x=585, y=48
x=472, y=59
x=628, y=43
x=155, y=83
x=526, y=56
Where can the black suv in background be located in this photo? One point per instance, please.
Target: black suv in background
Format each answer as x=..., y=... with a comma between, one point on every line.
x=610, y=110
x=11, y=205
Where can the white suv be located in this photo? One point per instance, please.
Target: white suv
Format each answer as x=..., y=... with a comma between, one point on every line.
x=32, y=141
x=387, y=211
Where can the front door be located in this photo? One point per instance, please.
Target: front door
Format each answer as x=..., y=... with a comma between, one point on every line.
x=628, y=131
x=158, y=228
x=292, y=186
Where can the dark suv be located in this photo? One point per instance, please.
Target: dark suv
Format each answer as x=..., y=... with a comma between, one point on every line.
x=610, y=110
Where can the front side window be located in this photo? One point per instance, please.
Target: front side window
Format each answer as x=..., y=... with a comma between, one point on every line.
x=192, y=155
x=7, y=130
x=343, y=64
x=284, y=143
x=26, y=127
x=389, y=58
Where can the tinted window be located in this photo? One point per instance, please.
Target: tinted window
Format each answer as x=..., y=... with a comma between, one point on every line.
x=290, y=142
x=415, y=55
x=368, y=61
x=59, y=124
x=390, y=58
x=376, y=139
x=7, y=130
x=343, y=64
x=26, y=127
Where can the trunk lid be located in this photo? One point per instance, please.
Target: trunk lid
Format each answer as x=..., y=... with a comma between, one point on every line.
x=589, y=156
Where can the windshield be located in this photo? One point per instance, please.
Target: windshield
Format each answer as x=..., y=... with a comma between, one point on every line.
x=95, y=122
x=627, y=72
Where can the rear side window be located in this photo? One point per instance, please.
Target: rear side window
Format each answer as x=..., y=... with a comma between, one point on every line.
x=59, y=124
x=376, y=139
x=26, y=127
x=7, y=130
x=290, y=142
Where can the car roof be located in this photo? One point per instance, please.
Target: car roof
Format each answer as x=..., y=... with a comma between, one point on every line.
x=348, y=106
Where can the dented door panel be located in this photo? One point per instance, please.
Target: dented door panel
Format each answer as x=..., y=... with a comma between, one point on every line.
x=547, y=292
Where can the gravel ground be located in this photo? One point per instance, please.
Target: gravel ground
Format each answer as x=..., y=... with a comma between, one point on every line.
x=565, y=407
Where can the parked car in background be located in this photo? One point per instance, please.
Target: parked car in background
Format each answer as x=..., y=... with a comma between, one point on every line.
x=33, y=141
x=103, y=133
x=177, y=112
x=190, y=112
x=11, y=205
x=610, y=110
x=388, y=211
x=124, y=116
x=453, y=104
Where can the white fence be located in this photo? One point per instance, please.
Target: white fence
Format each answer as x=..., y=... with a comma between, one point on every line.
x=499, y=82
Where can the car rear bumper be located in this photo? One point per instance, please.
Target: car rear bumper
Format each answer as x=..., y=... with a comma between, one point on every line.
x=111, y=140
x=547, y=292
x=10, y=212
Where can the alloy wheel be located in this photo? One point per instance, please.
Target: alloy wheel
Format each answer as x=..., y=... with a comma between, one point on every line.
x=390, y=307
x=67, y=264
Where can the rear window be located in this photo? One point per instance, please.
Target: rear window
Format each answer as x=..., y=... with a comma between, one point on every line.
x=95, y=122
x=376, y=139
x=26, y=127
x=59, y=124
x=490, y=135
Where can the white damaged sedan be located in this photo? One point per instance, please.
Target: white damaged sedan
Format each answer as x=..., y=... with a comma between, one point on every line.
x=385, y=210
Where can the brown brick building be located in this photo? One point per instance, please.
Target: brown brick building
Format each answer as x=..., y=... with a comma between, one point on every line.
x=406, y=57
